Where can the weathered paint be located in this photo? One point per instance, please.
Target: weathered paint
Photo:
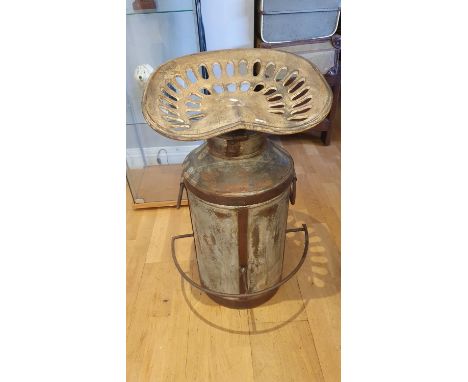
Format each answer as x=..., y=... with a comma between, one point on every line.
x=215, y=178
x=216, y=231
x=269, y=99
x=239, y=188
x=238, y=183
x=265, y=241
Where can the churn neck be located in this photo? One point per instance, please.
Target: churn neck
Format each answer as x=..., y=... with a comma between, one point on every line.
x=237, y=144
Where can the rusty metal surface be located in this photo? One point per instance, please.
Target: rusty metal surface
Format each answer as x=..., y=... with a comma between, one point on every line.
x=239, y=183
x=215, y=231
x=239, y=188
x=203, y=95
x=242, y=300
x=237, y=145
x=238, y=200
x=243, y=249
x=265, y=239
x=242, y=181
x=230, y=240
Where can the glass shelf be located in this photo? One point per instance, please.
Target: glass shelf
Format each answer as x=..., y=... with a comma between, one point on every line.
x=161, y=6
x=149, y=11
x=154, y=162
x=145, y=147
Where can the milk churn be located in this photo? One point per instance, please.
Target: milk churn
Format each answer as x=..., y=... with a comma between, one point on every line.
x=239, y=183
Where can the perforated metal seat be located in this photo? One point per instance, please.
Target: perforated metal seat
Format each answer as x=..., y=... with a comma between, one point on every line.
x=206, y=94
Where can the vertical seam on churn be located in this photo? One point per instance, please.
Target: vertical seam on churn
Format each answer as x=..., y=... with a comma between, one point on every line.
x=242, y=223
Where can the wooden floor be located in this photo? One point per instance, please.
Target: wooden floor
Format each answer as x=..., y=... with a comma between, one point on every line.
x=175, y=333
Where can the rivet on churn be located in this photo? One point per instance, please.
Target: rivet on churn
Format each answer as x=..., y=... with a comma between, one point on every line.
x=239, y=183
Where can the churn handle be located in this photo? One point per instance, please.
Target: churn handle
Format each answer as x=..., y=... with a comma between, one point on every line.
x=242, y=295
x=292, y=191
x=181, y=191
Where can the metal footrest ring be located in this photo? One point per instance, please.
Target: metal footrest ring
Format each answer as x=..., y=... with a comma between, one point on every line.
x=243, y=295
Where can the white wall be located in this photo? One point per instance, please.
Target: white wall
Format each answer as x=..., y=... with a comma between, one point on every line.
x=228, y=23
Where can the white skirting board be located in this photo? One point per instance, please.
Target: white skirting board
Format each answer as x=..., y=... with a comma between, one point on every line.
x=148, y=156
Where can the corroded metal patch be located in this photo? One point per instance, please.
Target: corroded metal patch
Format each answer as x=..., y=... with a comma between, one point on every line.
x=267, y=231
x=216, y=242
x=229, y=238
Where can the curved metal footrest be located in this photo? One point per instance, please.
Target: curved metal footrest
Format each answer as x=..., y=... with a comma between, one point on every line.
x=243, y=295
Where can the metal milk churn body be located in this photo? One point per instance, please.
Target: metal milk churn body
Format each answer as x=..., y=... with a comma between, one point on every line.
x=239, y=186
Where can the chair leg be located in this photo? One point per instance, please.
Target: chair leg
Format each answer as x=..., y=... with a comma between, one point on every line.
x=325, y=136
